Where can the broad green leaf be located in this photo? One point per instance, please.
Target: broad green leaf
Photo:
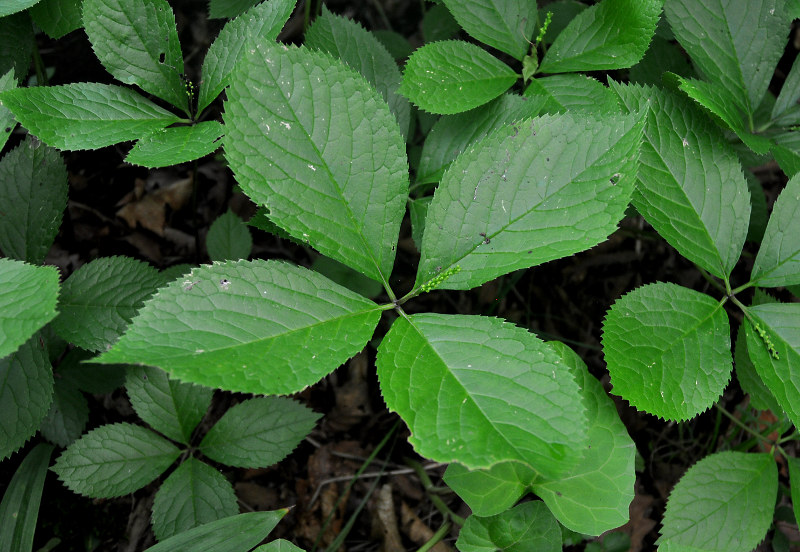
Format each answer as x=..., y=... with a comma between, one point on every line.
x=279, y=545
x=347, y=277
x=28, y=296
x=560, y=93
x=349, y=41
x=170, y=407
x=691, y=188
x=452, y=76
x=507, y=26
x=13, y=6
x=310, y=139
x=396, y=44
x=258, y=327
x=175, y=145
x=526, y=527
x=239, y=533
x=85, y=115
x=668, y=350
x=662, y=56
x=218, y=9
x=439, y=24
x=114, y=460
x=7, y=121
x=534, y=191
x=137, y=42
x=67, y=417
x=264, y=20
x=19, y=509
x=258, y=432
x=58, y=17
x=480, y=391
x=613, y=34
x=794, y=483
x=16, y=45
x=760, y=396
x=724, y=503
x=778, y=259
x=418, y=211
x=453, y=134
x=785, y=109
x=99, y=300
x=92, y=378
x=788, y=160
x=734, y=44
x=194, y=494
x=490, y=491
x=596, y=495
x=228, y=238
x=33, y=196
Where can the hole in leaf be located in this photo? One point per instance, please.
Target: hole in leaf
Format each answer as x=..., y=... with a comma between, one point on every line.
x=161, y=57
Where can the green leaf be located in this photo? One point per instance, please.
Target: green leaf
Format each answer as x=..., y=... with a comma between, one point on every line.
x=194, y=494
x=16, y=44
x=560, y=93
x=758, y=209
x=480, y=391
x=137, y=42
x=27, y=301
x=228, y=238
x=662, y=56
x=13, y=6
x=418, y=211
x=279, y=545
x=564, y=11
x=301, y=125
x=778, y=259
x=507, y=26
x=67, y=417
x=114, y=460
x=439, y=24
x=170, y=407
x=453, y=76
x=794, y=483
x=275, y=329
x=724, y=503
x=613, y=34
x=347, y=277
x=396, y=44
x=490, y=491
x=175, y=145
x=258, y=432
x=595, y=497
x=531, y=192
x=57, y=17
x=218, y=9
x=99, y=300
x=361, y=50
x=760, y=396
x=264, y=20
x=785, y=106
x=85, y=115
x=92, y=378
x=33, y=189
x=668, y=350
x=526, y=527
x=691, y=188
x=7, y=121
x=238, y=533
x=19, y=509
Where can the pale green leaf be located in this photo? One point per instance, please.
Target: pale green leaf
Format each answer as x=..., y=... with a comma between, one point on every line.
x=137, y=42
x=279, y=545
x=170, y=407
x=760, y=396
x=19, y=509
x=490, y=491
x=175, y=145
x=523, y=528
x=452, y=76
x=114, y=460
x=99, y=300
x=311, y=140
x=507, y=26
x=480, y=391
x=691, y=188
x=724, y=503
x=778, y=259
x=194, y=494
x=239, y=533
x=218, y=9
x=258, y=432
x=57, y=17
x=259, y=327
x=13, y=6
x=534, y=191
x=794, y=484
x=85, y=115
x=228, y=238
x=28, y=296
x=668, y=350
x=613, y=34
x=560, y=93
x=67, y=417
x=16, y=45
x=7, y=121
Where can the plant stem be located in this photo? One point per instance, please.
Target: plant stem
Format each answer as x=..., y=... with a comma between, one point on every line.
x=739, y=423
x=437, y=536
x=431, y=490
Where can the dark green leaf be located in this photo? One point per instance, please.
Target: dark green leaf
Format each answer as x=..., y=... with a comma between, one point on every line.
x=228, y=238
x=19, y=509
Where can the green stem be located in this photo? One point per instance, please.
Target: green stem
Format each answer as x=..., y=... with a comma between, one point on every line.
x=431, y=490
x=743, y=287
x=436, y=538
x=739, y=423
x=713, y=281
x=41, y=72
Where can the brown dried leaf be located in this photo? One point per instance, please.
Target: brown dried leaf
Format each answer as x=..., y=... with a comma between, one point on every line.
x=417, y=531
x=384, y=520
x=149, y=211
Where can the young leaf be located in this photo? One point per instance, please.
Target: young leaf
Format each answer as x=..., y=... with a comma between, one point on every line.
x=228, y=238
x=174, y=145
x=137, y=42
x=13, y=6
x=275, y=328
x=613, y=34
x=57, y=17
x=279, y=545
x=20, y=506
x=724, y=503
x=27, y=301
x=691, y=187
x=170, y=407
x=258, y=432
x=85, y=115
x=194, y=494
x=99, y=300
x=33, y=179
x=238, y=533
x=114, y=460
x=67, y=417
x=7, y=121
x=16, y=45
x=560, y=93
x=778, y=259
x=312, y=140
x=480, y=391
x=452, y=76
x=526, y=527
x=528, y=193
x=507, y=26
x=490, y=491
x=668, y=350
x=760, y=396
